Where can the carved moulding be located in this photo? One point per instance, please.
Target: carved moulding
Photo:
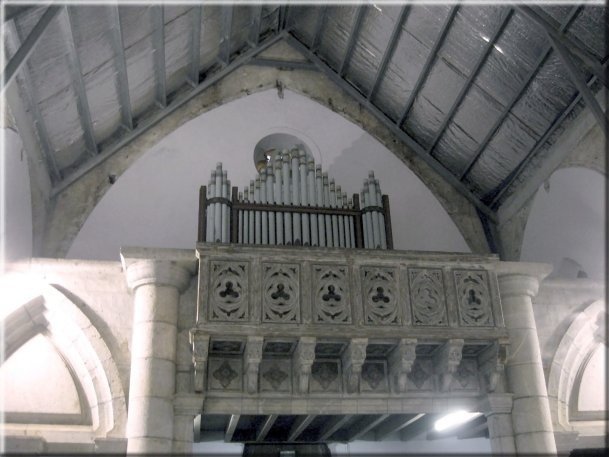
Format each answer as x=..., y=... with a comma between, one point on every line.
x=326, y=376
x=225, y=374
x=200, y=351
x=427, y=297
x=379, y=292
x=374, y=376
x=302, y=360
x=280, y=292
x=228, y=291
x=491, y=364
x=251, y=362
x=401, y=361
x=446, y=362
x=330, y=294
x=353, y=360
x=473, y=298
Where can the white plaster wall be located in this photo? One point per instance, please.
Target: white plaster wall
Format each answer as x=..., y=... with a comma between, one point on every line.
x=154, y=203
x=15, y=206
x=569, y=221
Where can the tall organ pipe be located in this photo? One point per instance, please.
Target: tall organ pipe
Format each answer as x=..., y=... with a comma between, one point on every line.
x=311, y=201
x=252, y=227
x=225, y=208
x=379, y=199
x=287, y=217
x=245, y=221
x=211, y=192
x=278, y=198
x=258, y=226
x=319, y=202
x=376, y=228
x=270, y=198
x=297, y=236
x=217, y=205
x=369, y=239
x=264, y=232
x=335, y=241
x=302, y=169
x=341, y=223
x=329, y=240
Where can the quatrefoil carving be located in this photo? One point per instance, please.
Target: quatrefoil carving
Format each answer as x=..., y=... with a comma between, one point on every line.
x=331, y=295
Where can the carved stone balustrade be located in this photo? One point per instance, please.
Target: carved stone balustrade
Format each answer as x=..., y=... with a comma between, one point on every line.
x=312, y=322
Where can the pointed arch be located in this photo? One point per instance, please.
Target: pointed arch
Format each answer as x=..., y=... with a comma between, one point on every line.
x=86, y=355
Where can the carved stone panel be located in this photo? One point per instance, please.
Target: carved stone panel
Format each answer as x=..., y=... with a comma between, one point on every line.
x=330, y=294
x=421, y=377
x=325, y=376
x=275, y=375
x=427, y=296
x=466, y=376
x=281, y=292
x=225, y=374
x=379, y=292
x=374, y=376
x=228, y=291
x=473, y=297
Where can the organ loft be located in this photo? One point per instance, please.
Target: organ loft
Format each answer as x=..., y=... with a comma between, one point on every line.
x=303, y=229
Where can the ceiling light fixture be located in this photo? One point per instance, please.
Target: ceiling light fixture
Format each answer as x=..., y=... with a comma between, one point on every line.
x=453, y=419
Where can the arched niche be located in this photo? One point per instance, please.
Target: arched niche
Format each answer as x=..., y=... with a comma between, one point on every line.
x=585, y=336
x=79, y=370
x=154, y=202
x=567, y=222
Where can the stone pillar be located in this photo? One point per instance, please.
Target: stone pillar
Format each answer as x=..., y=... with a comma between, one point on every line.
x=531, y=419
x=157, y=278
x=498, y=409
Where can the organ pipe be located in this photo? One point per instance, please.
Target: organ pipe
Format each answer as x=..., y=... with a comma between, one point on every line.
x=292, y=178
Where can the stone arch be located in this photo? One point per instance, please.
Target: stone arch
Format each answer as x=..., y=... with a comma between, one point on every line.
x=74, y=204
x=582, y=337
x=88, y=359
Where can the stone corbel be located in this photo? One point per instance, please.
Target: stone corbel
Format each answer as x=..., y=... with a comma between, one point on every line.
x=353, y=359
x=447, y=360
x=200, y=352
x=491, y=363
x=303, y=358
x=252, y=358
x=400, y=361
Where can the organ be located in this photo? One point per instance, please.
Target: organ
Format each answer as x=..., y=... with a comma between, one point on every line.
x=293, y=202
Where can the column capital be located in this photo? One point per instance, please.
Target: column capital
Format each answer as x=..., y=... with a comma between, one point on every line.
x=521, y=278
x=497, y=403
x=164, y=267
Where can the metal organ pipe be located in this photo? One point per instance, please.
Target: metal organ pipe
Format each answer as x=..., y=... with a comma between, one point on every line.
x=326, y=204
x=244, y=222
x=319, y=202
x=302, y=169
x=263, y=215
x=217, y=206
x=252, y=226
x=297, y=236
x=311, y=200
x=341, y=222
x=258, y=224
x=271, y=200
x=225, y=209
x=376, y=228
x=287, y=217
x=379, y=199
x=211, y=192
x=278, y=198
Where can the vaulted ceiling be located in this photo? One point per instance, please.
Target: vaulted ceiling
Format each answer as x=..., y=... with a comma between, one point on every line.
x=479, y=92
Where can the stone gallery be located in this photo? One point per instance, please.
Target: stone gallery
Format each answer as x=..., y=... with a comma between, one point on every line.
x=291, y=229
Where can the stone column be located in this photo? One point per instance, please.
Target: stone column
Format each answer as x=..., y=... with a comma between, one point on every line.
x=497, y=409
x=531, y=419
x=157, y=277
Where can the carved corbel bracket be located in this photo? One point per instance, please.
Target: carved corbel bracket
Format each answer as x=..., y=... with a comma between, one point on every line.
x=353, y=359
x=491, y=363
x=447, y=360
x=200, y=351
x=400, y=361
x=303, y=358
x=251, y=360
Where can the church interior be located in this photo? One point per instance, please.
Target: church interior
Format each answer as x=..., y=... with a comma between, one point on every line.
x=304, y=228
